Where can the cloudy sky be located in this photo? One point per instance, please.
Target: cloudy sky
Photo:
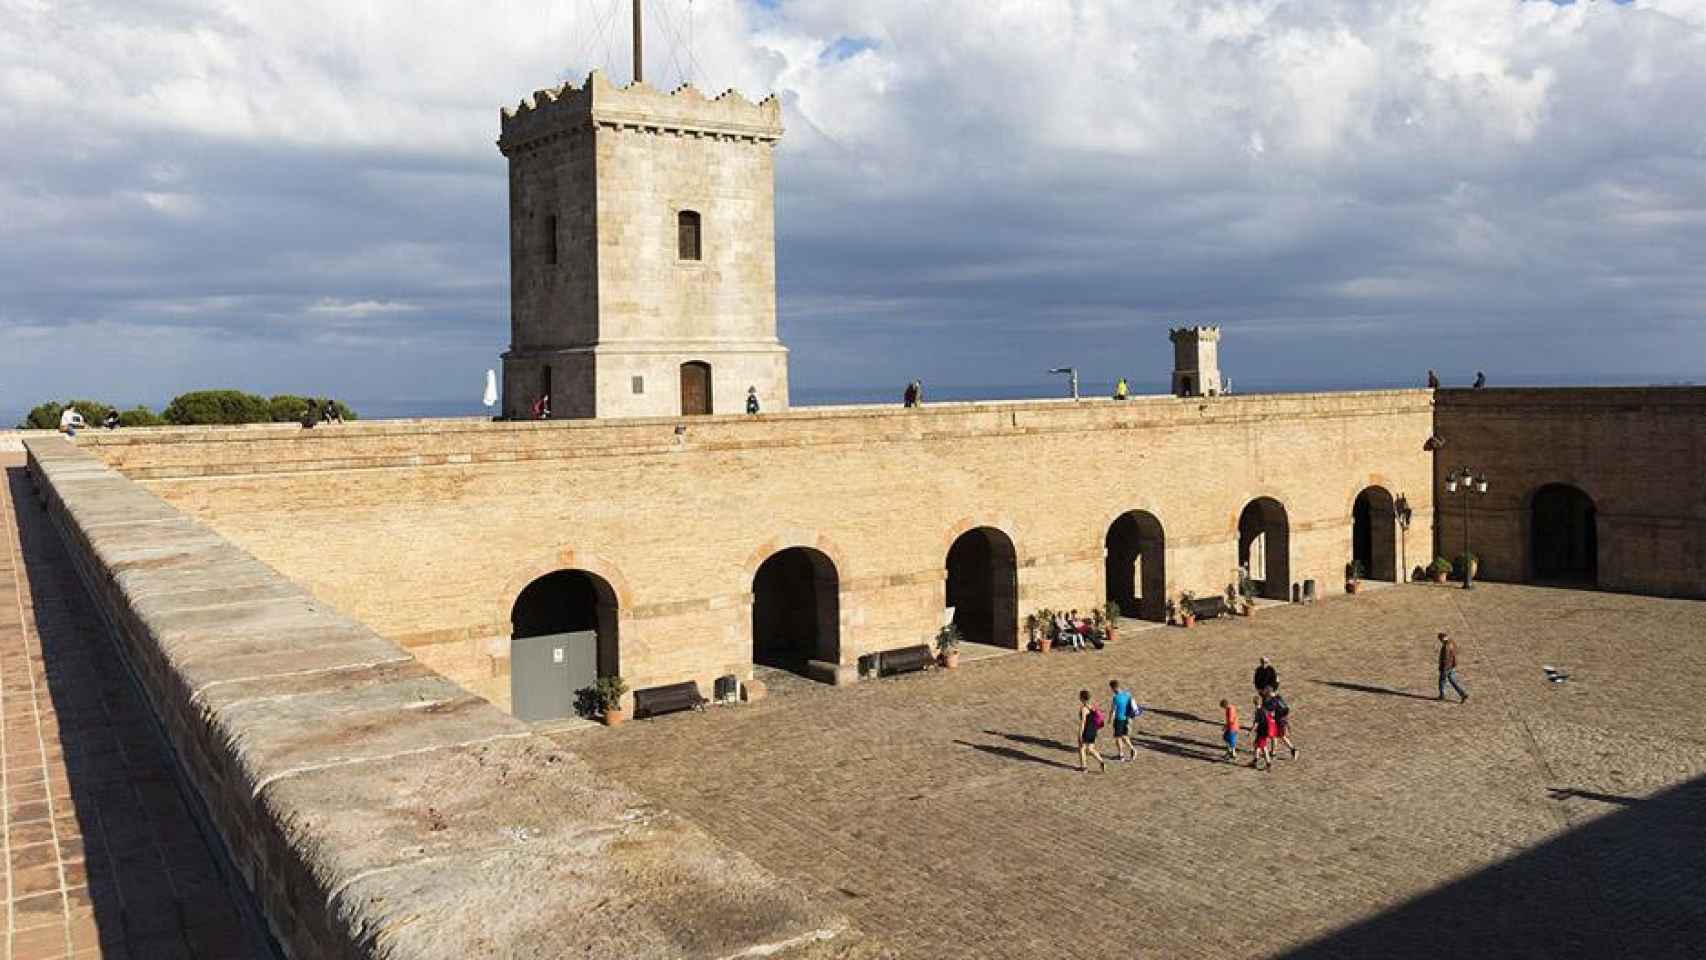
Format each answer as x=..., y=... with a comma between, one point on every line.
x=305, y=196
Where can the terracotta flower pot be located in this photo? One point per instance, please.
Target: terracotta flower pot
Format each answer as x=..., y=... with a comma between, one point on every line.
x=1439, y=576
x=950, y=660
x=1351, y=586
x=615, y=717
x=1187, y=621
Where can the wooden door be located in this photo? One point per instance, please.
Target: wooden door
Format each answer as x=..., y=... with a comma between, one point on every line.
x=695, y=388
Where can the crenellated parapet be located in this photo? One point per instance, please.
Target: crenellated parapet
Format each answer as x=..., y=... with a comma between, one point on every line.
x=637, y=106
x=1200, y=334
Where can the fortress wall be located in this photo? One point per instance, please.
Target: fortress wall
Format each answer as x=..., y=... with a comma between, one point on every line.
x=374, y=808
x=1639, y=453
x=428, y=534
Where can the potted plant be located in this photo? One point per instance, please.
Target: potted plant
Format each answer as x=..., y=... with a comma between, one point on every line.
x=1246, y=592
x=607, y=692
x=1033, y=632
x=948, y=646
x=1467, y=562
x=1187, y=607
x=1045, y=629
x=1439, y=569
x=1110, y=613
x=1353, y=576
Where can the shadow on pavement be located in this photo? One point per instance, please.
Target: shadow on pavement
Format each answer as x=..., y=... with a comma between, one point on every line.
x=1029, y=740
x=1012, y=753
x=1629, y=884
x=1367, y=688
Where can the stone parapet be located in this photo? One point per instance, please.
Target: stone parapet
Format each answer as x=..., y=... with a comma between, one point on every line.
x=374, y=808
x=598, y=102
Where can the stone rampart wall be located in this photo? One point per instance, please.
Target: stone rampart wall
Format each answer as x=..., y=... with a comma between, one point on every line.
x=1638, y=453
x=375, y=808
x=428, y=532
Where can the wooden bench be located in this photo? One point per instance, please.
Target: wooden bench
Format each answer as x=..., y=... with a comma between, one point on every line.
x=656, y=701
x=1207, y=608
x=905, y=660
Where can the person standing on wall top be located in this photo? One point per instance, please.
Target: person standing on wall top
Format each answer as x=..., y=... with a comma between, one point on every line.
x=111, y=421
x=1480, y=380
x=752, y=401
x=1120, y=389
x=1433, y=380
x=1448, y=667
x=329, y=412
x=542, y=407
x=1266, y=678
x=70, y=421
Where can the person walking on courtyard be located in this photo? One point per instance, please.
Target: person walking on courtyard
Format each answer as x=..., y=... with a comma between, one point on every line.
x=1280, y=712
x=1120, y=389
x=1262, y=725
x=752, y=401
x=1266, y=678
x=1448, y=668
x=1089, y=723
x=1229, y=731
x=1480, y=380
x=1433, y=380
x=1124, y=710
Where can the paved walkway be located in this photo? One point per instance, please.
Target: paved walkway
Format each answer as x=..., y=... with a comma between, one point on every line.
x=102, y=858
x=943, y=812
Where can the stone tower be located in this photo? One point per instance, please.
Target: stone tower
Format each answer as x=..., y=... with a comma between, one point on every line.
x=1196, y=361
x=642, y=252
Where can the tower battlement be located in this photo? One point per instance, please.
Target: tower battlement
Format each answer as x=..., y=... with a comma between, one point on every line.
x=1196, y=361
x=637, y=106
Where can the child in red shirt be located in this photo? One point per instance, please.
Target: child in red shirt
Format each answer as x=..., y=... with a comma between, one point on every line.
x=1262, y=723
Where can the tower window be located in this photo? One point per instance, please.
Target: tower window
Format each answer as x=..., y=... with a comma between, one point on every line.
x=687, y=234
x=551, y=239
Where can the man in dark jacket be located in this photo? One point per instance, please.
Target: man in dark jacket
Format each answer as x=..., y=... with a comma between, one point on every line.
x=1266, y=678
x=1448, y=668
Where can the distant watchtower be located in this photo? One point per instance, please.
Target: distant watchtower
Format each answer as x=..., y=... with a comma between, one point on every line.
x=642, y=243
x=1196, y=361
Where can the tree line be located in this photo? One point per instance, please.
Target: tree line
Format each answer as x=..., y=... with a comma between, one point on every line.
x=199, y=407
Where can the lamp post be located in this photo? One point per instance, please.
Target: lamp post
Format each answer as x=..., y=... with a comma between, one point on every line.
x=1072, y=373
x=1402, y=513
x=1470, y=485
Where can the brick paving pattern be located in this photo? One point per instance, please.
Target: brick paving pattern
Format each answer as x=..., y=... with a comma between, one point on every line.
x=943, y=814
x=102, y=858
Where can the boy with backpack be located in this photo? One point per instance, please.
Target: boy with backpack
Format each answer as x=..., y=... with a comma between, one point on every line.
x=1280, y=711
x=1089, y=723
x=1230, y=731
x=1123, y=706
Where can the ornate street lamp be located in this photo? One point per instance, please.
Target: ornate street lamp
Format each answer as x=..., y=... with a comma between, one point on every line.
x=1072, y=374
x=1470, y=485
x=1402, y=512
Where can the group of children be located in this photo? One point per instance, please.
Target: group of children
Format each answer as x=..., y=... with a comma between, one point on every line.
x=1269, y=723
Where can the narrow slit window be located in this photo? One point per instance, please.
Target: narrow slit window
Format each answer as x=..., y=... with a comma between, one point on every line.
x=687, y=234
x=551, y=239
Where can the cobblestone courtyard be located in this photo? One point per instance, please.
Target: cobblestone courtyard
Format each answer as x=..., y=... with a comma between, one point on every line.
x=942, y=812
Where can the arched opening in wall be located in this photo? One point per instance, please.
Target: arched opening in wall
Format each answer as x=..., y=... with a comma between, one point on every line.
x=1185, y=386
x=796, y=610
x=563, y=637
x=983, y=587
x=1136, y=566
x=695, y=388
x=1374, y=534
x=1264, y=547
x=1564, y=536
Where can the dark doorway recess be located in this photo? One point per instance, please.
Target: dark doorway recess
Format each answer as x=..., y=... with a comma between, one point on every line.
x=1565, y=535
x=796, y=610
x=695, y=388
x=563, y=637
x=1264, y=547
x=1136, y=566
x=1374, y=540
x=983, y=587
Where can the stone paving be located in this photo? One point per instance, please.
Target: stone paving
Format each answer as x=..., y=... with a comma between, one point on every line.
x=102, y=858
x=943, y=812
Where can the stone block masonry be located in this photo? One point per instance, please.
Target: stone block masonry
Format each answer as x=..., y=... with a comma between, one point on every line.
x=374, y=808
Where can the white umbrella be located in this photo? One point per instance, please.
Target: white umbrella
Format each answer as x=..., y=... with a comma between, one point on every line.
x=491, y=396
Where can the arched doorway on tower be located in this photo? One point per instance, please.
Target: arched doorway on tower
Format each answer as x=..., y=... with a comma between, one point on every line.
x=983, y=587
x=695, y=388
x=1564, y=536
x=1374, y=534
x=1135, y=569
x=563, y=637
x=1264, y=547
x=796, y=611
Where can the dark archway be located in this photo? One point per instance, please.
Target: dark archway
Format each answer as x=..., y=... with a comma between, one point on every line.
x=1374, y=534
x=1264, y=547
x=1564, y=535
x=796, y=610
x=563, y=637
x=983, y=587
x=695, y=388
x=1135, y=570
